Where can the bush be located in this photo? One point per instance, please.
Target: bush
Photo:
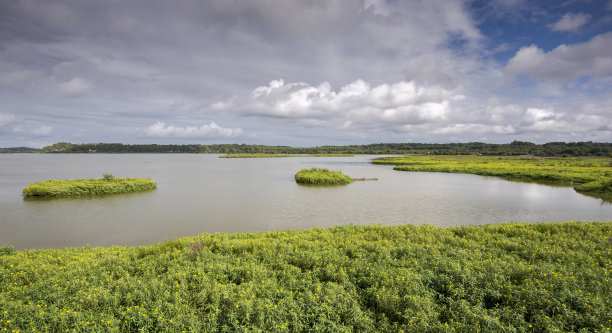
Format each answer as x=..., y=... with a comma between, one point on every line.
x=88, y=187
x=321, y=176
x=552, y=277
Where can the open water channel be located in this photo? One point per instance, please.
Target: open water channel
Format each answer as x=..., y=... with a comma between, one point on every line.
x=206, y=194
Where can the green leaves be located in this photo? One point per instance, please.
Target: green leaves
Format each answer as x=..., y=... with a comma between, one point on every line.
x=321, y=176
x=494, y=278
x=587, y=175
x=88, y=187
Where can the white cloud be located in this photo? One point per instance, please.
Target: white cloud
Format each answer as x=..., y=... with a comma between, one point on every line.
x=355, y=104
x=6, y=119
x=570, y=22
x=212, y=130
x=76, y=87
x=565, y=62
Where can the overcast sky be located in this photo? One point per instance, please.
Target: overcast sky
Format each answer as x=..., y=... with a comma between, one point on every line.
x=304, y=73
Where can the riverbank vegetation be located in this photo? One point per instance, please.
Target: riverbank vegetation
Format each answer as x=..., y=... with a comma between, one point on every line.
x=591, y=176
x=88, y=187
x=471, y=148
x=494, y=278
x=263, y=155
x=322, y=176
x=256, y=155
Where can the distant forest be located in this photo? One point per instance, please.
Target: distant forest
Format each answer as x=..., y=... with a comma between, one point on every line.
x=472, y=148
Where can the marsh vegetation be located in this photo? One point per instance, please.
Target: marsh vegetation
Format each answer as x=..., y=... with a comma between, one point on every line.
x=322, y=176
x=592, y=176
x=108, y=184
x=494, y=278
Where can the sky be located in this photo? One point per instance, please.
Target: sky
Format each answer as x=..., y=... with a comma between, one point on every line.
x=304, y=72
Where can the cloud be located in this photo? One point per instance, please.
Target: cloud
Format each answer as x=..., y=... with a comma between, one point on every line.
x=210, y=131
x=6, y=119
x=76, y=87
x=357, y=104
x=570, y=22
x=565, y=62
x=43, y=130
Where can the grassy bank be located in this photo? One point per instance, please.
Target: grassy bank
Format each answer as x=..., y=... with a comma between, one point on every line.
x=587, y=175
x=496, y=278
x=88, y=187
x=322, y=176
x=256, y=155
x=263, y=155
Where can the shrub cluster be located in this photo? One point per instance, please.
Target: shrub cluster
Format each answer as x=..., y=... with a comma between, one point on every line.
x=88, y=187
x=586, y=175
x=494, y=278
x=322, y=176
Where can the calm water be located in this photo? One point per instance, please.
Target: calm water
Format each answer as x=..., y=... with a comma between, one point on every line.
x=204, y=193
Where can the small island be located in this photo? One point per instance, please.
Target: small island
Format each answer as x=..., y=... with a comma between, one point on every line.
x=108, y=184
x=322, y=176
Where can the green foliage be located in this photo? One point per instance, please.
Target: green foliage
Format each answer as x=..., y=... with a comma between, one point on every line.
x=470, y=148
x=494, y=278
x=109, y=184
x=7, y=249
x=587, y=175
x=321, y=176
x=255, y=155
x=108, y=177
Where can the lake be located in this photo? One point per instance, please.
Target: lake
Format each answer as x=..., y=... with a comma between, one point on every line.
x=206, y=194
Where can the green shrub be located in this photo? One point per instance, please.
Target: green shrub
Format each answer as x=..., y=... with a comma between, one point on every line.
x=88, y=187
x=586, y=175
x=549, y=277
x=321, y=176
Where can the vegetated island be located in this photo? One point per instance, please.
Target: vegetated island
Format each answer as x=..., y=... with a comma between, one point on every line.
x=590, y=176
x=263, y=155
x=552, y=277
x=255, y=155
x=88, y=187
x=322, y=176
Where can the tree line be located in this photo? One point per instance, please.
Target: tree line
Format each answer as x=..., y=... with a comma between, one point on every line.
x=471, y=148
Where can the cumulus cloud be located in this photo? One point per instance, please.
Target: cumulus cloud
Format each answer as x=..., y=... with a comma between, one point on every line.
x=210, y=131
x=355, y=104
x=570, y=22
x=565, y=62
x=76, y=87
x=406, y=108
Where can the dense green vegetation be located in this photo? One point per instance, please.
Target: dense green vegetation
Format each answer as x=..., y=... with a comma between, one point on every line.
x=586, y=175
x=88, y=187
x=19, y=150
x=494, y=278
x=255, y=155
x=472, y=148
x=263, y=155
x=322, y=176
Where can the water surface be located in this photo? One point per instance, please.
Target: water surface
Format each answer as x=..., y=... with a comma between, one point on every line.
x=204, y=193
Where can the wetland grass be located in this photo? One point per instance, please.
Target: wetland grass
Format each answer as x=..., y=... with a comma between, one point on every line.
x=591, y=176
x=322, y=176
x=553, y=277
x=88, y=187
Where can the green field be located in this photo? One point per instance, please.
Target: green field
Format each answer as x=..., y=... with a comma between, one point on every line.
x=592, y=176
x=322, y=176
x=88, y=187
x=494, y=278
